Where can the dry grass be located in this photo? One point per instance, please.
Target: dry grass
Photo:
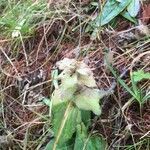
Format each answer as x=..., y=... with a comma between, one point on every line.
x=26, y=63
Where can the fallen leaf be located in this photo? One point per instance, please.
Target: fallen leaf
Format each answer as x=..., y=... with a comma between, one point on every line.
x=143, y=29
x=146, y=14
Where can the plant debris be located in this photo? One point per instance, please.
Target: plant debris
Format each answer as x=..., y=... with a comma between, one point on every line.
x=74, y=74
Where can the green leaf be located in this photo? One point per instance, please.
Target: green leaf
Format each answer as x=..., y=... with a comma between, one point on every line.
x=134, y=7
x=119, y=0
x=88, y=99
x=96, y=143
x=46, y=101
x=140, y=75
x=81, y=137
x=88, y=142
x=136, y=77
x=64, y=121
x=86, y=117
x=94, y=4
x=65, y=146
x=16, y=32
x=54, y=76
x=126, y=15
x=68, y=87
x=110, y=10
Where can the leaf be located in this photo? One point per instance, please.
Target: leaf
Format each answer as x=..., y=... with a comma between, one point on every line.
x=119, y=0
x=65, y=146
x=134, y=7
x=94, y=4
x=64, y=121
x=78, y=85
x=96, y=143
x=46, y=101
x=88, y=99
x=126, y=15
x=81, y=137
x=136, y=77
x=68, y=87
x=75, y=71
x=86, y=142
x=17, y=30
x=85, y=77
x=140, y=75
x=110, y=10
x=86, y=117
x=65, y=91
x=66, y=63
x=54, y=76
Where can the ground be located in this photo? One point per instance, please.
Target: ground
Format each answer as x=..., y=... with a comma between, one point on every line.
x=56, y=30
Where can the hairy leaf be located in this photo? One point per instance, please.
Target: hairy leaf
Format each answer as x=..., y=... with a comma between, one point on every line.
x=66, y=63
x=65, y=91
x=85, y=77
x=88, y=99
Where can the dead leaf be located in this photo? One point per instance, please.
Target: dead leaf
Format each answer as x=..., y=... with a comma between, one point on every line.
x=144, y=30
x=146, y=14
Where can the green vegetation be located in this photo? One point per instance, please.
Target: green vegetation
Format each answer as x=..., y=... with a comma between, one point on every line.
x=21, y=18
x=74, y=75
